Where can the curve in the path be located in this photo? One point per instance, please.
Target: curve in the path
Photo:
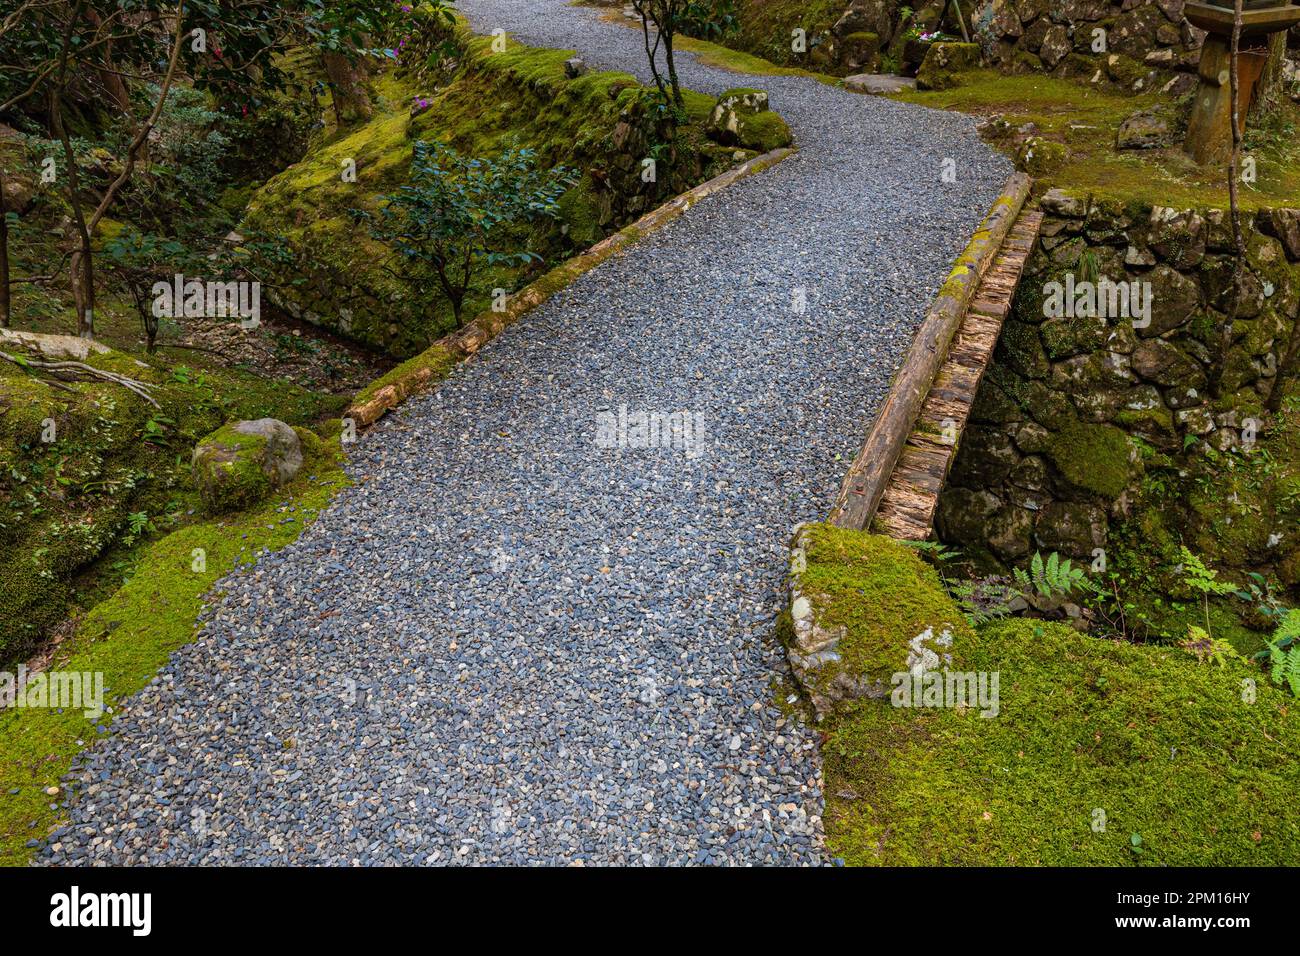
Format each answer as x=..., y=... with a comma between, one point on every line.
x=562, y=651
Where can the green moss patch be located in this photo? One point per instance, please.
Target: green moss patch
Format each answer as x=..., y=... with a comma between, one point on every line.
x=1094, y=742
x=1093, y=457
x=1090, y=734
x=131, y=634
x=764, y=132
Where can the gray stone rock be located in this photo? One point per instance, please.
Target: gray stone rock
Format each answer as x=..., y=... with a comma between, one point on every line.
x=1174, y=300
x=239, y=464
x=1284, y=224
x=878, y=84
x=1163, y=363
x=1056, y=46
x=1061, y=203
x=1145, y=129
x=1071, y=528
x=1197, y=421
x=1178, y=237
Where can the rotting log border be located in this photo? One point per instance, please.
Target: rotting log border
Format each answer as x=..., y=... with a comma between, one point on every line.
x=864, y=484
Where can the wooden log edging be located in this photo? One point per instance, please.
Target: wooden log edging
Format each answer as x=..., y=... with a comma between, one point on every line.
x=437, y=360
x=864, y=485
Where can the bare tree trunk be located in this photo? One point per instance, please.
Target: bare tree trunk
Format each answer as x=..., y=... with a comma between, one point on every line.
x=1269, y=90
x=347, y=87
x=4, y=254
x=113, y=84
x=81, y=269
x=669, y=32
x=1234, y=171
x=645, y=10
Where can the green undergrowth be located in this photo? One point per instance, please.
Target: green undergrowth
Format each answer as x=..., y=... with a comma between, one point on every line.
x=130, y=635
x=762, y=38
x=1235, y=510
x=1102, y=753
x=1085, y=119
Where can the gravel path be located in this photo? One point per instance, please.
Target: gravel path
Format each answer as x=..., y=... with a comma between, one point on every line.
x=563, y=652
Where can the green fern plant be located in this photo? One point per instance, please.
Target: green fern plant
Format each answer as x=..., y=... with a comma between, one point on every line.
x=1051, y=579
x=1284, y=653
x=983, y=599
x=1200, y=578
x=1205, y=648
x=936, y=550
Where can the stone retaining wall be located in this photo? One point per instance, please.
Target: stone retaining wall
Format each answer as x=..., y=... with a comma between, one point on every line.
x=1145, y=40
x=1075, y=410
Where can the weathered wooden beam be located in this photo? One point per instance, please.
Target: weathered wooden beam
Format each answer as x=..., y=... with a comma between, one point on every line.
x=866, y=479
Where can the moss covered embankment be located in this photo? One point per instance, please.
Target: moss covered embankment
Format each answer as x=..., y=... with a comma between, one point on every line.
x=85, y=474
x=1093, y=752
x=604, y=125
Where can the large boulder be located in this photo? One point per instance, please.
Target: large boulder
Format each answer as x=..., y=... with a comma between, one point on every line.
x=867, y=16
x=942, y=63
x=860, y=51
x=741, y=118
x=238, y=465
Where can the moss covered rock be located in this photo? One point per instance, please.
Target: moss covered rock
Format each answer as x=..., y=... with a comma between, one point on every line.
x=842, y=648
x=1095, y=458
x=741, y=117
x=1040, y=157
x=942, y=63
x=239, y=464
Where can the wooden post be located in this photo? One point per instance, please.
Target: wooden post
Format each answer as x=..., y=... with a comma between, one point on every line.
x=961, y=19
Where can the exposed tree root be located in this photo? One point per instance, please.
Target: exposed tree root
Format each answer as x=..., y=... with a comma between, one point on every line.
x=79, y=371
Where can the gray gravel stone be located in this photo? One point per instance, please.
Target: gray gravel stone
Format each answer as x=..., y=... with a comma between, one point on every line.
x=506, y=643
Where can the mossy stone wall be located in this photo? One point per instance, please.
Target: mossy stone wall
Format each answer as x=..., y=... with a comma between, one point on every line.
x=1090, y=433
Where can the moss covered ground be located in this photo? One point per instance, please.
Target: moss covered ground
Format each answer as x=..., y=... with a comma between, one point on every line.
x=1101, y=753
x=1085, y=119
x=128, y=636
